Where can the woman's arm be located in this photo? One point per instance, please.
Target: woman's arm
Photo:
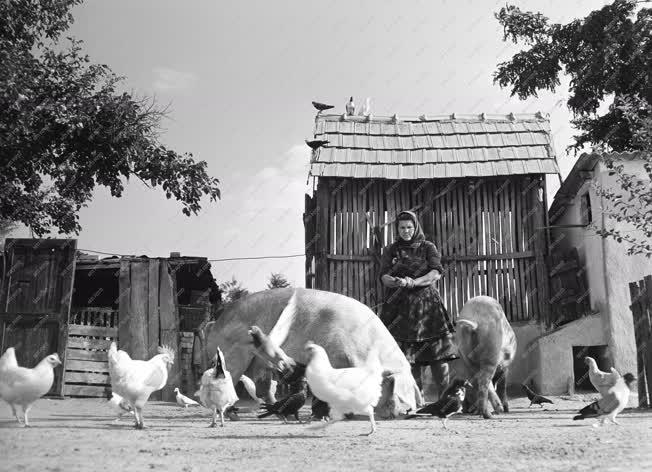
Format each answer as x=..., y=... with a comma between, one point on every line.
x=427, y=279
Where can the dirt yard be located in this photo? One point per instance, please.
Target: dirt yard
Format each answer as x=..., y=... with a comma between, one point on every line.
x=79, y=435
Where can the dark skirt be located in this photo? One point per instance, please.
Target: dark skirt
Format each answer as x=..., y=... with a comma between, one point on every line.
x=420, y=324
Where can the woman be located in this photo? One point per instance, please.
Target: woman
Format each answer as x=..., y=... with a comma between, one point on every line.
x=413, y=310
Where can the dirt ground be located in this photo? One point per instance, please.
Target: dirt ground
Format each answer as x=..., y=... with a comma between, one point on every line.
x=80, y=435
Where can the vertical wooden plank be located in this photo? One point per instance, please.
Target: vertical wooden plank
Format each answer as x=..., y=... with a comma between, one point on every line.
x=493, y=241
x=507, y=248
x=518, y=232
x=125, y=337
x=458, y=231
x=169, y=323
x=322, y=234
x=485, y=238
x=638, y=313
x=539, y=244
x=451, y=238
x=153, y=325
x=473, y=239
x=647, y=333
x=138, y=310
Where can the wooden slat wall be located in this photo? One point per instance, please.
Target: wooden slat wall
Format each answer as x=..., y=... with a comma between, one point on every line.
x=641, y=297
x=486, y=230
x=90, y=333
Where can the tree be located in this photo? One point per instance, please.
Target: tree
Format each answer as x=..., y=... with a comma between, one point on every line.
x=232, y=291
x=608, y=57
x=65, y=128
x=277, y=281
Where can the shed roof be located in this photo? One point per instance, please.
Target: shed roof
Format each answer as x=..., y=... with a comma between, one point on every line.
x=430, y=147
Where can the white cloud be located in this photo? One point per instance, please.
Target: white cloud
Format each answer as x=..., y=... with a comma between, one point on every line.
x=170, y=79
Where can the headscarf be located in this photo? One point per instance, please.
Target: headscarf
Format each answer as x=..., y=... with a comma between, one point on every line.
x=417, y=238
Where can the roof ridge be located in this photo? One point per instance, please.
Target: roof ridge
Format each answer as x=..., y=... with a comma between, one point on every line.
x=425, y=118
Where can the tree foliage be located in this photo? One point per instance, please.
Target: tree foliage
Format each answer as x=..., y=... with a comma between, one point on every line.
x=232, y=291
x=66, y=128
x=277, y=281
x=608, y=57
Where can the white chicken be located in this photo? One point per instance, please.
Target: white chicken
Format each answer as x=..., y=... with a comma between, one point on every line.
x=136, y=380
x=602, y=381
x=183, y=400
x=350, y=390
x=612, y=402
x=120, y=406
x=23, y=386
x=217, y=391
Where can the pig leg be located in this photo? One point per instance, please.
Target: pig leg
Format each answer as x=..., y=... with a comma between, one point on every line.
x=500, y=380
x=493, y=398
x=484, y=376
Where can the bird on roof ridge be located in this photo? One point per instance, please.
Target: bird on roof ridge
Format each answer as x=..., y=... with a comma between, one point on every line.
x=321, y=107
x=316, y=143
x=453, y=117
x=350, y=107
x=423, y=117
x=511, y=116
x=395, y=118
x=483, y=116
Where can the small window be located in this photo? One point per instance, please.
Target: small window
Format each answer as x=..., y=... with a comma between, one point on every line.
x=585, y=209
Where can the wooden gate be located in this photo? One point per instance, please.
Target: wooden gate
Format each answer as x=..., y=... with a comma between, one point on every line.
x=90, y=333
x=641, y=294
x=35, y=300
x=489, y=231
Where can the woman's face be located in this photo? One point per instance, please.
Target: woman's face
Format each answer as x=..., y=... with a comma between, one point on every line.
x=405, y=229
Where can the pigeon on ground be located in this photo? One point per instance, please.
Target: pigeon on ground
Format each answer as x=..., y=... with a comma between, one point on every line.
x=449, y=404
x=535, y=398
x=290, y=405
x=612, y=403
x=183, y=400
x=22, y=386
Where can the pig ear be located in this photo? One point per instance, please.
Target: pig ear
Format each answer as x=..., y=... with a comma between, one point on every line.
x=472, y=325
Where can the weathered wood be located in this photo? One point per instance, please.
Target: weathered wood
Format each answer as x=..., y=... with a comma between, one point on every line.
x=84, y=391
x=89, y=343
x=169, y=325
x=539, y=245
x=87, y=378
x=152, y=307
x=647, y=333
x=85, y=355
x=137, y=343
x=84, y=330
x=637, y=309
x=88, y=366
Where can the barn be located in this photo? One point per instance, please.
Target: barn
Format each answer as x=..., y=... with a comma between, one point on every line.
x=478, y=184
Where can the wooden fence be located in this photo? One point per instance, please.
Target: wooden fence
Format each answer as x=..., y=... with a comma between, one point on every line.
x=641, y=295
x=488, y=231
x=90, y=333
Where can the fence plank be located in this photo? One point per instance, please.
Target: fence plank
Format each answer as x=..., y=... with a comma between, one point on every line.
x=87, y=366
x=84, y=355
x=84, y=391
x=647, y=320
x=84, y=330
x=85, y=343
x=637, y=315
x=87, y=378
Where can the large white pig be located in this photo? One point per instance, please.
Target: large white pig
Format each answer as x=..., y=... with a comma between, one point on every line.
x=486, y=344
x=345, y=327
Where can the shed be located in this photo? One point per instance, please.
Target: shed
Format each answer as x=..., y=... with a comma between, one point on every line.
x=57, y=299
x=477, y=183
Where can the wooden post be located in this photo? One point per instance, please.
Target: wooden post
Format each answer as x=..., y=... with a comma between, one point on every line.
x=647, y=321
x=169, y=322
x=540, y=251
x=637, y=314
x=322, y=230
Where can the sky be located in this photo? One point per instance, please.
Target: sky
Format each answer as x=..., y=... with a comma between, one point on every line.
x=239, y=77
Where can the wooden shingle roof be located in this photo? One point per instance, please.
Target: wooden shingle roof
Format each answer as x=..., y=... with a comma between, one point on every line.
x=430, y=147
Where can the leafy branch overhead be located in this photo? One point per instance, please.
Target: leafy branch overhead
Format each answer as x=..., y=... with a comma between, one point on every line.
x=607, y=55
x=66, y=128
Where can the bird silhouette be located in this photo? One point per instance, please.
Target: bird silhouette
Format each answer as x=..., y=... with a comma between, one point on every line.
x=322, y=106
x=316, y=143
x=535, y=398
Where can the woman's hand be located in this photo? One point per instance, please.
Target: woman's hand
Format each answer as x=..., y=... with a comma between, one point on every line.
x=390, y=282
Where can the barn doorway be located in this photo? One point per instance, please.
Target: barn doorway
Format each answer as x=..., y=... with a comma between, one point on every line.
x=581, y=371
